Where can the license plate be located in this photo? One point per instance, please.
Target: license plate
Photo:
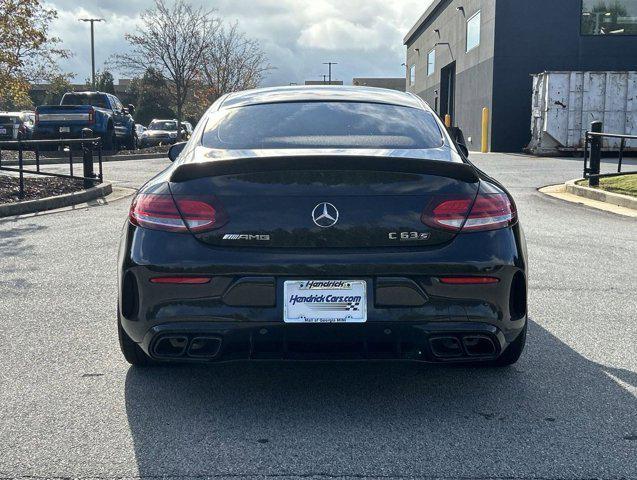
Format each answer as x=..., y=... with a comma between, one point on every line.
x=65, y=129
x=325, y=301
x=3, y=131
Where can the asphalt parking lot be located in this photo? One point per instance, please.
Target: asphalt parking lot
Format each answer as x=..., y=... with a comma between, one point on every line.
x=71, y=407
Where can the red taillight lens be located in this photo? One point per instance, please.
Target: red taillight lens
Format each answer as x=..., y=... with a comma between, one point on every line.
x=91, y=116
x=489, y=211
x=468, y=280
x=181, y=280
x=180, y=214
x=448, y=214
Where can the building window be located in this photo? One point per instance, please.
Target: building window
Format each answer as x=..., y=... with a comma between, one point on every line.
x=412, y=74
x=431, y=62
x=473, y=32
x=609, y=17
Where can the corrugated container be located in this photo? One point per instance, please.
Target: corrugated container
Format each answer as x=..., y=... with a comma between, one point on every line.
x=565, y=104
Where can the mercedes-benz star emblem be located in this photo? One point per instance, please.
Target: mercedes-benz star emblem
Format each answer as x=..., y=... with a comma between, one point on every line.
x=325, y=215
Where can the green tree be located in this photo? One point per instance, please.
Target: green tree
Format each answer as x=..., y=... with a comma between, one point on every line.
x=153, y=98
x=104, y=82
x=58, y=86
x=27, y=52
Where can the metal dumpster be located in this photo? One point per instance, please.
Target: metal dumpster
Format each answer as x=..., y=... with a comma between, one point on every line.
x=565, y=104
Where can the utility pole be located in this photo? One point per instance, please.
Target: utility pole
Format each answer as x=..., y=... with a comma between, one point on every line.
x=330, y=69
x=92, y=20
x=324, y=79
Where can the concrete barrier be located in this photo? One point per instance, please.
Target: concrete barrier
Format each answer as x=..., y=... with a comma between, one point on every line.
x=625, y=201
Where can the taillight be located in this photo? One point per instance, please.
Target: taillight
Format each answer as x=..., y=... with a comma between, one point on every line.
x=91, y=116
x=37, y=118
x=178, y=214
x=488, y=211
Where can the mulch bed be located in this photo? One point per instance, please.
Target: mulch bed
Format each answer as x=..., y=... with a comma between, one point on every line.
x=27, y=155
x=36, y=188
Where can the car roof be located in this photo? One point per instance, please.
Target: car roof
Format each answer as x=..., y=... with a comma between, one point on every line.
x=324, y=93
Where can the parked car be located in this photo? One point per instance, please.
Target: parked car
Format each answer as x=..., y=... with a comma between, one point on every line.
x=139, y=129
x=159, y=132
x=14, y=125
x=341, y=222
x=101, y=112
x=187, y=130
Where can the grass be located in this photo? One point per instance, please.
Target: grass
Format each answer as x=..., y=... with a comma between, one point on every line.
x=624, y=184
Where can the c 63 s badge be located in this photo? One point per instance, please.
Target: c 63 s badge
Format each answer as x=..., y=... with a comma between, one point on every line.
x=409, y=236
x=247, y=237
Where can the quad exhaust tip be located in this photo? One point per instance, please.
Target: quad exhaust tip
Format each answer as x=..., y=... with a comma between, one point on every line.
x=451, y=347
x=181, y=346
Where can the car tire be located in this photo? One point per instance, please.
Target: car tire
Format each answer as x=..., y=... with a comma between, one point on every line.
x=109, y=141
x=513, y=351
x=131, y=143
x=131, y=351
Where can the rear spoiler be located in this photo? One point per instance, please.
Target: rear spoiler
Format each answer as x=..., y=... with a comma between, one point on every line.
x=190, y=171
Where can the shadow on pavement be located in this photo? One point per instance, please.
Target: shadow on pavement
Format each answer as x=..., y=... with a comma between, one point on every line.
x=13, y=247
x=554, y=414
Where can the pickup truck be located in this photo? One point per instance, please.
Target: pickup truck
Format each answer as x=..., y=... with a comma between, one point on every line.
x=101, y=112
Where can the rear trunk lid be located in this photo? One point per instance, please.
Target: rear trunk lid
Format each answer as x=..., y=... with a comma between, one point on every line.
x=325, y=202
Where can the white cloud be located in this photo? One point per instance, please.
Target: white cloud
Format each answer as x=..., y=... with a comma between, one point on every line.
x=363, y=36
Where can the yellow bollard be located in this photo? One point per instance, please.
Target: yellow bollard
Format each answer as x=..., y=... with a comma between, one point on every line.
x=485, y=130
x=448, y=121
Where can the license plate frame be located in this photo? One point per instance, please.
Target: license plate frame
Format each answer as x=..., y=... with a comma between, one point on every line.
x=325, y=301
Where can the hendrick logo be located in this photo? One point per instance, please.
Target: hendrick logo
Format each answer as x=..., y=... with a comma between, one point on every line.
x=325, y=215
x=325, y=285
x=246, y=236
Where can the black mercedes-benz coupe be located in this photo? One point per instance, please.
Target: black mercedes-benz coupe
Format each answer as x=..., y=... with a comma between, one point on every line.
x=322, y=223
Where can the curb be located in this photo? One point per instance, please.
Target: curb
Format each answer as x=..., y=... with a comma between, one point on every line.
x=625, y=201
x=78, y=159
x=51, y=203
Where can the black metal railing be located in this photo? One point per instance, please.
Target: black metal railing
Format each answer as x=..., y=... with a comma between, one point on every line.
x=90, y=147
x=593, y=153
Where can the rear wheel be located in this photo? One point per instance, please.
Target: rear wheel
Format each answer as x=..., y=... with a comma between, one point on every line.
x=131, y=142
x=131, y=351
x=109, y=142
x=513, y=351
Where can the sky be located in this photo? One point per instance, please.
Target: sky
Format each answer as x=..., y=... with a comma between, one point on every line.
x=363, y=36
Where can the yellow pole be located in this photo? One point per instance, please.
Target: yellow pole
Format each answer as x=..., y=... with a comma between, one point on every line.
x=485, y=130
x=448, y=121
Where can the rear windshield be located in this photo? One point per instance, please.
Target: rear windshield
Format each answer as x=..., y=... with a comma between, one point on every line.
x=162, y=125
x=322, y=125
x=98, y=101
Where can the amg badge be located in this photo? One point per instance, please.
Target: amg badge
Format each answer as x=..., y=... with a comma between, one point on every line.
x=246, y=236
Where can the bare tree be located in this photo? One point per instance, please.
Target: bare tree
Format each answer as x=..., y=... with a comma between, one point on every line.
x=173, y=40
x=234, y=62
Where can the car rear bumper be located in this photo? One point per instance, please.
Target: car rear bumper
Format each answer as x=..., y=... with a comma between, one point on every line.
x=241, y=307
x=153, y=142
x=213, y=341
x=53, y=133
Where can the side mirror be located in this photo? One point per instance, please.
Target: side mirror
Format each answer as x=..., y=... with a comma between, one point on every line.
x=175, y=150
x=458, y=138
x=131, y=108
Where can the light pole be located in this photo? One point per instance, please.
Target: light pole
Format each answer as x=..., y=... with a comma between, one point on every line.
x=330, y=69
x=92, y=20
